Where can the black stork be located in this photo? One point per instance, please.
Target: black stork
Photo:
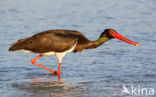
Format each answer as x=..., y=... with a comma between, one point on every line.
x=60, y=42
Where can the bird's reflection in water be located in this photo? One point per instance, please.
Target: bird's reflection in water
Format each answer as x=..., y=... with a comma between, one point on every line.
x=47, y=87
x=46, y=78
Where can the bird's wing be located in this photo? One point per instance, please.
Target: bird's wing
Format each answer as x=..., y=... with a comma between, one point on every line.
x=52, y=40
x=49, y=42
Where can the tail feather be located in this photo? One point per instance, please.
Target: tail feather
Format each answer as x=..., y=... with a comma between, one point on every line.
x=16, y=45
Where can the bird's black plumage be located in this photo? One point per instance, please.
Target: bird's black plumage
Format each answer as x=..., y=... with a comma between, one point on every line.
x=52, y=40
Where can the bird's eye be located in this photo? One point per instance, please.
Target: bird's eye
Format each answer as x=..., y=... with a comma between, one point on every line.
x=113, y=33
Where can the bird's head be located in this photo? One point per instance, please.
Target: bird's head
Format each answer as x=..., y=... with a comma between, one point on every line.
x=110, y=33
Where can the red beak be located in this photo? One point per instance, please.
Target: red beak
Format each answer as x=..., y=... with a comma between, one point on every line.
x=120, y=37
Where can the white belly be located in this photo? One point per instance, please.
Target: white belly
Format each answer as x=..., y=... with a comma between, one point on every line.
x=26, y=51
x=48, y=54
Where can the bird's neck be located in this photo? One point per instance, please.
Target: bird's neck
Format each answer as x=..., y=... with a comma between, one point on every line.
x=101, y=40
x=98, y=42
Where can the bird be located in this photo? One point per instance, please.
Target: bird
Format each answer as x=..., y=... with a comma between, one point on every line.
x=59, y=42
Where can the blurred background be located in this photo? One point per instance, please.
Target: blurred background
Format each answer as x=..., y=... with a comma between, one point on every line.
x=98, y=72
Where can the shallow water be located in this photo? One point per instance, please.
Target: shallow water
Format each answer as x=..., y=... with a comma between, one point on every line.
x=98, y=72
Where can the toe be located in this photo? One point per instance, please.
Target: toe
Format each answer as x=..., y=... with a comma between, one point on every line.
x=55, y=73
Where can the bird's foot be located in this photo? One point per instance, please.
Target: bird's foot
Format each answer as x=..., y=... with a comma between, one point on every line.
x=56, y=73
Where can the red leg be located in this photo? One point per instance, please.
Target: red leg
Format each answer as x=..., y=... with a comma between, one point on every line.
x=59, y=69
x=59, y=72
x=59, y=77
x=33, y=62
